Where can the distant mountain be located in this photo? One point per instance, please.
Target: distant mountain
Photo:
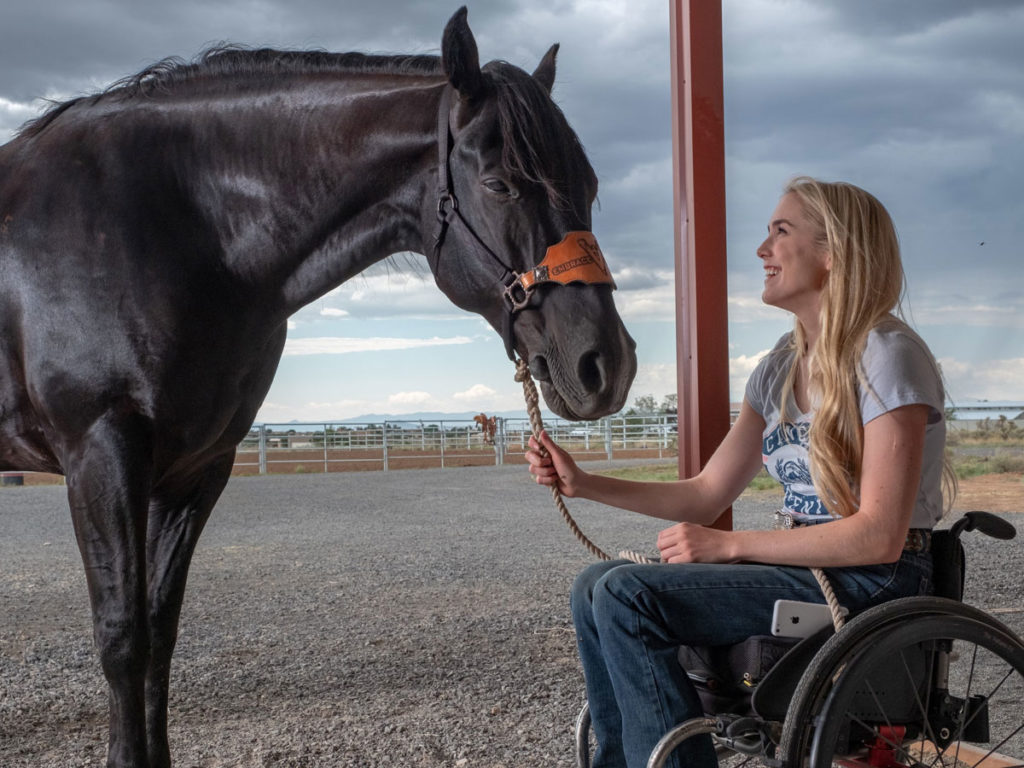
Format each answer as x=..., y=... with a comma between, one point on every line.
x=424, y=416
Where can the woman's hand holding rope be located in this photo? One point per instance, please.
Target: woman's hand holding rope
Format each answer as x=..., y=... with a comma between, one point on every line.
x=552, y=466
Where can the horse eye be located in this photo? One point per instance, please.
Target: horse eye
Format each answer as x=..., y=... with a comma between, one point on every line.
x=500, y=187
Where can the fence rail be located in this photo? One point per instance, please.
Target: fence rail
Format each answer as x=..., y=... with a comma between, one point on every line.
x=340, y=446
x=336, y=446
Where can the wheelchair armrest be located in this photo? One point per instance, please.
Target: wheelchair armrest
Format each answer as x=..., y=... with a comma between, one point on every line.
x=985, y=522
x=948, y=553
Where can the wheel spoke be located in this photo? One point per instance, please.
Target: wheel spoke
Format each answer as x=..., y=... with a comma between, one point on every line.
x=965, y=674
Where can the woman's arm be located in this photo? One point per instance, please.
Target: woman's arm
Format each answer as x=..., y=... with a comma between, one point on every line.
x=697, y=500
x=890, y=476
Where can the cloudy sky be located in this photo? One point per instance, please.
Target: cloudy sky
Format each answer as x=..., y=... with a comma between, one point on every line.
x=919, y=101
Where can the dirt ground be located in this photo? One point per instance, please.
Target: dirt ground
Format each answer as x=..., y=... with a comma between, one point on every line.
x=415, y=618
x=301, y=462
x=993, y=493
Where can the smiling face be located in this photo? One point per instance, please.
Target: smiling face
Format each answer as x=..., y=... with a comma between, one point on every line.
x=796, y=264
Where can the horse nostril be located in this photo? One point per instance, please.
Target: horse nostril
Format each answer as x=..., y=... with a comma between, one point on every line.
x=591, y=372
x=539, y=368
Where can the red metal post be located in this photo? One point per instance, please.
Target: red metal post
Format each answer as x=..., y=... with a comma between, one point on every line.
x=698, y=155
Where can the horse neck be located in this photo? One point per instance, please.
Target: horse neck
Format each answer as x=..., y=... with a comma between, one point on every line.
x=305, y=196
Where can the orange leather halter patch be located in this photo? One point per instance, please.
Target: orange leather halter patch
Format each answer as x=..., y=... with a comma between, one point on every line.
x=577, y=258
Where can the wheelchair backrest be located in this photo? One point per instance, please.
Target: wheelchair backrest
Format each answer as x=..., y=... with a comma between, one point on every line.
x=947, y=565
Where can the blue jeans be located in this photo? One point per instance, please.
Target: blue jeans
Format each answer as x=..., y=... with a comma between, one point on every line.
x=630, y=620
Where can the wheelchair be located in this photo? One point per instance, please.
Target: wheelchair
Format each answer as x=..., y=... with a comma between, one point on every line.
x=911, y=683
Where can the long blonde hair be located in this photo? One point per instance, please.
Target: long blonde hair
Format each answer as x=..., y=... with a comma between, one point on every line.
x=863, y=287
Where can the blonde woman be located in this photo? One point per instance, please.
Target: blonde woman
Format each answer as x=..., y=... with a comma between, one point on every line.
x=846, y=412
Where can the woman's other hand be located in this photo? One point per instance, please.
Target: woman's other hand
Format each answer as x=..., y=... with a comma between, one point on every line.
x=691, y=543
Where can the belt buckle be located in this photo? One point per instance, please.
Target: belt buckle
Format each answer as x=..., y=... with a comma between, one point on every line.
x=784, y=520
x=918, y=540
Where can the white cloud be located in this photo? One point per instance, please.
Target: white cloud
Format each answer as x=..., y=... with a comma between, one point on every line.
x=478, y=398
x=976, y=314
x=740, y=368
x=655, y=379
x=750, y=309
x=385, y=290
x=988, y=380
x=641, y=177
x=12, y=115
x=414, y=400
x=476, y=392
x=341, y=345
x=659, y=380
x=653, y=299
x=272, y=412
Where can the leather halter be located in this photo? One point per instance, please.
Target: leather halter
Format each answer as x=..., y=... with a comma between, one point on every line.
x=577, y=258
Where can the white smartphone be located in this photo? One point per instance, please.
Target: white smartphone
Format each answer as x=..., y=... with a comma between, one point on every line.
x=792, y=618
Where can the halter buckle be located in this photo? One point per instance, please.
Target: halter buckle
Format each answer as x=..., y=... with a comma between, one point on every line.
x=516, y=294
x=443, y=202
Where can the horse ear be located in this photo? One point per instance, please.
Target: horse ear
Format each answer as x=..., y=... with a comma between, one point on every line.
x=545, y=71
x=459, y=56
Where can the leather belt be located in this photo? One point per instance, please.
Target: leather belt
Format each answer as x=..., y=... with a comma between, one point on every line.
x=918, y=539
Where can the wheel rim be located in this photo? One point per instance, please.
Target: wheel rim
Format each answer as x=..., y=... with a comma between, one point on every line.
x=879, y=711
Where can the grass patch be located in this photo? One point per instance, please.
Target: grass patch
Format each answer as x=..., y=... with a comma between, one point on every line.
x=973, y=466
x=668, y=472
x=964, y=466
x=763, y=482
x=646, y=473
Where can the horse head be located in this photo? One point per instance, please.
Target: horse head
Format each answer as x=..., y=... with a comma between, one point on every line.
x=513, y=227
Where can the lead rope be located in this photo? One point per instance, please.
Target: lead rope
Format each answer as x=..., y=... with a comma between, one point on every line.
x=537, y=425
x=838, y=620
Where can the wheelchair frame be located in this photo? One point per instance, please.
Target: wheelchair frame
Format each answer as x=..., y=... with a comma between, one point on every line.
x=907, y=684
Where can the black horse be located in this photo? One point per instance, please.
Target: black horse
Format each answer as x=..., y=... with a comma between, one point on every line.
x=154, y=239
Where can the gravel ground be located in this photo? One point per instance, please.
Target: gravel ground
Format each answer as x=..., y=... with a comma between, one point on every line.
x=414, y=618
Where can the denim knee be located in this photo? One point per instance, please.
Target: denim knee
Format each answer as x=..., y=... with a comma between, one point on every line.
x=581, y=598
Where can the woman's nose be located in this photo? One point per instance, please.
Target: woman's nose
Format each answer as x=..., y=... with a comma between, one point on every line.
x=762, y=250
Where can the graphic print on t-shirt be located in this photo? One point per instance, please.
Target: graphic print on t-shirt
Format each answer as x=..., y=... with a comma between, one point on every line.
x=784, y=452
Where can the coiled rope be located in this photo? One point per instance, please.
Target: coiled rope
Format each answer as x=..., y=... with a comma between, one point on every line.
x=537, y=426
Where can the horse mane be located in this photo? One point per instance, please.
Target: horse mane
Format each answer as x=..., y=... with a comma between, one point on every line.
x=538, y=144
x=228, y=60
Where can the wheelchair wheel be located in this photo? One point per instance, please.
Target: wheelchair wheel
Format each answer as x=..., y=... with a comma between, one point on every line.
x=916, y=681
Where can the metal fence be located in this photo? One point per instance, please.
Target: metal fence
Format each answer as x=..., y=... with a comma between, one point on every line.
x=337, y=446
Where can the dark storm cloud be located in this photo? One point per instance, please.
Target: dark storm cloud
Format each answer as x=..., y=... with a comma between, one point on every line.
x=921, y=101
x=885, y=18
x=76, y=46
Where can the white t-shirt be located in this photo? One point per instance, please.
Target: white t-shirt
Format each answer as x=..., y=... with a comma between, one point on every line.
x=899, y=370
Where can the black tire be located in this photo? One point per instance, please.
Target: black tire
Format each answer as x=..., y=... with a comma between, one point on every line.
x=878, y=672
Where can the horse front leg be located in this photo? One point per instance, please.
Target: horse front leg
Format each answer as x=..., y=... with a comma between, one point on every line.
x=108, y=475
x=174, y=528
